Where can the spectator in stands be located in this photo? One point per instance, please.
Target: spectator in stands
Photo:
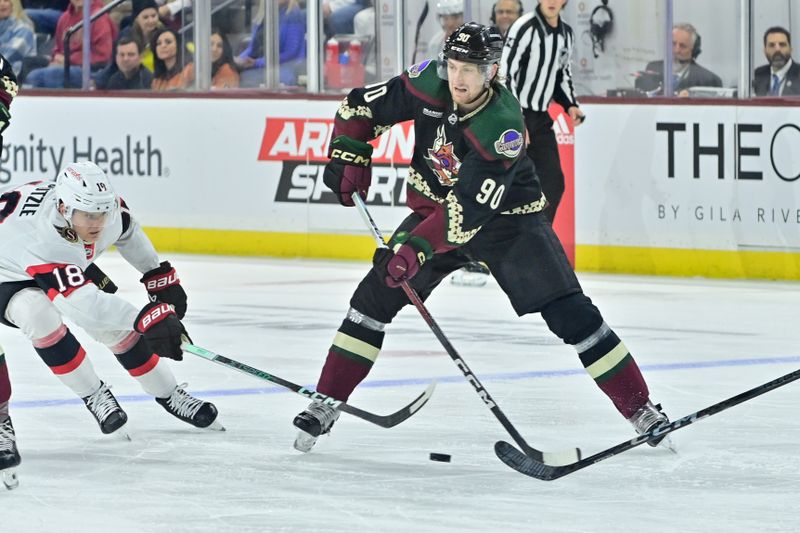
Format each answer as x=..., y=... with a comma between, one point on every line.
x=686, y=71
x=102, y=34
x=450, y=14
x=337, y=15
x=223, y=69
x=16, y=34
x=45, y=14
x=781, y=77
x=504, y=13
x=131, y=73
x=173, y=69
x=291, y=47
x=145, y=22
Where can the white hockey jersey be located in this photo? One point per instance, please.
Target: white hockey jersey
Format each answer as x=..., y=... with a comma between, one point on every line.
x=37, y=244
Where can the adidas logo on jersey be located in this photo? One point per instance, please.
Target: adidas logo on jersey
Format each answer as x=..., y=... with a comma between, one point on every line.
x=561, y=129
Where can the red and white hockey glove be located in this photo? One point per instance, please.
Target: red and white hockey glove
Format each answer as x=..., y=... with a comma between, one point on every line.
x=163, y=285
x=349, y=170
x=161, y=329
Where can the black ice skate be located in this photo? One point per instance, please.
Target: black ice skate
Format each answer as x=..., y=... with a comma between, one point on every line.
x=316, y=420
x=9, y=455
x=105, y=409
x=648, y=418
x=474, y=274
x=186, y=407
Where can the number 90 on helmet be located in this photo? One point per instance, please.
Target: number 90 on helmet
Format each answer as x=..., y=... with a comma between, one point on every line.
x=472, y=43
x=85, y=187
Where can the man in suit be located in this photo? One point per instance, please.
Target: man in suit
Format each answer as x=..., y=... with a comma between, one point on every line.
x=781, y=77
x=686, y=71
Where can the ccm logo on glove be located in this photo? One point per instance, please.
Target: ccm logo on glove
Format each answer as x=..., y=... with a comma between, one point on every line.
x=351, y=158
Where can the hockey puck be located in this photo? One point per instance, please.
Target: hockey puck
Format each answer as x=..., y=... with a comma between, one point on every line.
x=440, y=457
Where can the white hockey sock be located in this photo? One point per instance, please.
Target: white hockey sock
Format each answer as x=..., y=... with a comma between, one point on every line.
x=159, y=381
x=83, y=380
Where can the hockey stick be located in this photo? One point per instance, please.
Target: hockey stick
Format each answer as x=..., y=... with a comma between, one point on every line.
x=542, y=470
x=422, y=16
x=555, y=458
x=384, y=421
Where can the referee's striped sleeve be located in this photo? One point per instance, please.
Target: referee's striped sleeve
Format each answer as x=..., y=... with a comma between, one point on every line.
x=564, y=94
x=536, y=63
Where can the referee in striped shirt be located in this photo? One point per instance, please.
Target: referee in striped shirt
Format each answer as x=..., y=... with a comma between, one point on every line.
x=536, y=63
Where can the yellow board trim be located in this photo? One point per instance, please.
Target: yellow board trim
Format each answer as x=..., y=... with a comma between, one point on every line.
x=356, y=346
x=589, y=258
x=260, y=243
x=608, y=361
x=681, y=262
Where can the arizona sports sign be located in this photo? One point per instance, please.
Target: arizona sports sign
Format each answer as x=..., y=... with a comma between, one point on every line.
x=302, y=146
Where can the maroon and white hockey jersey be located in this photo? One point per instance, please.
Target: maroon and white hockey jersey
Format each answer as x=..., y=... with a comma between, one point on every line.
x=38, y=245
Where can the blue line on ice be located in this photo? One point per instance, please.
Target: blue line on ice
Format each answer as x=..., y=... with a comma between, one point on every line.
x=383, y=383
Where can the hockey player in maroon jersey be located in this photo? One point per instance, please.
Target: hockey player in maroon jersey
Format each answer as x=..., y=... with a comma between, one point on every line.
x=475, y=197
x=51, y=234
x=9, y=455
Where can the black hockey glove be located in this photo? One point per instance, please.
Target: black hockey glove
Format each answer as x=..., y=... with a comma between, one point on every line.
x=161, y=329
x=163, y=285
x=100, y=278
x=349, y=170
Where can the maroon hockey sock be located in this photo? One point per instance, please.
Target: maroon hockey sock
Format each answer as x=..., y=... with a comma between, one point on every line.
x=349, y=360
x=616, y=373
x=5, y=383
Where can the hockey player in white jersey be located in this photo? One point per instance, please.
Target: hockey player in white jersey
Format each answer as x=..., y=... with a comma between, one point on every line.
x=51, y=234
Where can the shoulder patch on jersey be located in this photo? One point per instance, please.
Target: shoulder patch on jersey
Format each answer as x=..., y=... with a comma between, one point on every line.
x=415, y=70
x=510, y=143
x=68, y=234
x=497, y=131
x=425, y=84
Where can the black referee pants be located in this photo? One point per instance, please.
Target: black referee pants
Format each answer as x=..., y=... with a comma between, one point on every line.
x=543, y=150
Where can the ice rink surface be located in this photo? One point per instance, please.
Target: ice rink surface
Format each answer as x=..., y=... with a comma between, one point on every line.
x=697, y=341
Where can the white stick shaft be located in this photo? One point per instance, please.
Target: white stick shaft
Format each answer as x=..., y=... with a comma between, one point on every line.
x=370, y=223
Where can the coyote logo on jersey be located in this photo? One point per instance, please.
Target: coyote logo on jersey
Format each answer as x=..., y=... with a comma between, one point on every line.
x=442, y=159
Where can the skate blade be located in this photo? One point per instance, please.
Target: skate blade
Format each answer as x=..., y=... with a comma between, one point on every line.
x=216, y=425
x=121, y=433
x=10, y=479
x=304, y=442
x=470, y=279
x=669, y=444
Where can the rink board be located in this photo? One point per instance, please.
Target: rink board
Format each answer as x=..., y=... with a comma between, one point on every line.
x=706, y=190
x=660, y=189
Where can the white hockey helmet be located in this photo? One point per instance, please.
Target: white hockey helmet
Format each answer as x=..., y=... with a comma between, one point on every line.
x=449, y=7
x=85, y=187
